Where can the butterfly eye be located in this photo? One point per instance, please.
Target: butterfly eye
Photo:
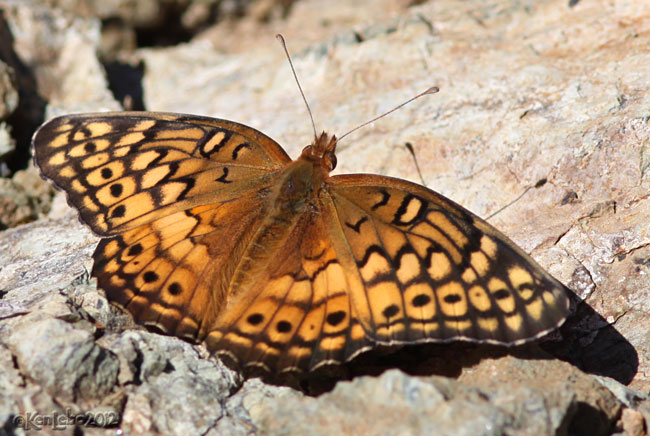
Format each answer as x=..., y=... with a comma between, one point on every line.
x=332, y=159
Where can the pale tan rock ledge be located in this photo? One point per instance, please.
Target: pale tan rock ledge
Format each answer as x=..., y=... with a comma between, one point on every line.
x=528, y=93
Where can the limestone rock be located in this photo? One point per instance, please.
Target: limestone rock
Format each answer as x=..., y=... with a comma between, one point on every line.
x=60, y=51
x=65, y=361
x=8, y=103
x=395, y=403
x=23, y=198
x=8, y=93
x=542, y=119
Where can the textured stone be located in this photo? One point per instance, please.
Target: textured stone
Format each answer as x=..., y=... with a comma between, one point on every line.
x=64, y=360
x=8, y=93
x=533, y=101
x=172, y=390
x=596, y=408
x=23, y=197
x=60, y=48
x=395, y=403
x=8, y=104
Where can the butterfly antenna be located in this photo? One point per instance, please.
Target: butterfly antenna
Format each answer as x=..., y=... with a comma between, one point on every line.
x=409, y=147
x=431, y=90
x=539, y=184
x=293, y=70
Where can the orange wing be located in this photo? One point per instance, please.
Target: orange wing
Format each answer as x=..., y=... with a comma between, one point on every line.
x=121, y=170
x=433, y=271
x=178, y=195
x=299, y=314
x=384, y=261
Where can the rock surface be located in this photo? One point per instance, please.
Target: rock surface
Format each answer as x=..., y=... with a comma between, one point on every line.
x=542, y=120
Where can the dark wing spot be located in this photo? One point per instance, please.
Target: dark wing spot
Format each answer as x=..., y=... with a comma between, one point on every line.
x=403, y=208
x=452, y=298
x=116, y=189
x=255, y=319
x=119, y=211
x=283, y=326
x=90, y=147
x=391, y=311
x=175, y=288
x=223, y=178
x=134, y=250
x=421, y=300
x=107, y=173
x=501, y=294
x=528, y=286
x=239, y=148
x=335, y=318
x=383, y=201
x=357, y=226
x=150, y=277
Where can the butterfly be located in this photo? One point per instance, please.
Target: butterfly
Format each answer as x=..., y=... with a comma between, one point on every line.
x=210, y=232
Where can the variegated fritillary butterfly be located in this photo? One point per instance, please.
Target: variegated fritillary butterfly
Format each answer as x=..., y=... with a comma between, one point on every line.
x=212, y=233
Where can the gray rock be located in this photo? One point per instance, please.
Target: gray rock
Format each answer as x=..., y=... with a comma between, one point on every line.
x=60, y=50
x=519, y=103
x=64, y=360
x=630, y=398
x=172, y=389
x=8, y=104
x=23, y=198
x=397, y=404
x=544, y=387
x=8, y=92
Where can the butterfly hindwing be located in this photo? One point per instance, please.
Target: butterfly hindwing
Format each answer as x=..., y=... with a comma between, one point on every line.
x=298, y=315
x=173, y=273
x=384, y=261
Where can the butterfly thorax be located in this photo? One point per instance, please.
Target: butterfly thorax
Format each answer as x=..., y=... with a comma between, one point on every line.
x=296, y=195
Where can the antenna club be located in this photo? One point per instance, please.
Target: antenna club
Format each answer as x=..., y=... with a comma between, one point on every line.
x=431, y=90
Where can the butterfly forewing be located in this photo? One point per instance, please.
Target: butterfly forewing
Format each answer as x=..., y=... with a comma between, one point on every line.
x=122, y=170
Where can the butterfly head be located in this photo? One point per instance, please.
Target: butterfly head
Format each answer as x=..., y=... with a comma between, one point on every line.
x=322, y=150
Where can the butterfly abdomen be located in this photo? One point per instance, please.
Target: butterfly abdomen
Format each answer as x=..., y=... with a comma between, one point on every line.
x=286, y=204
